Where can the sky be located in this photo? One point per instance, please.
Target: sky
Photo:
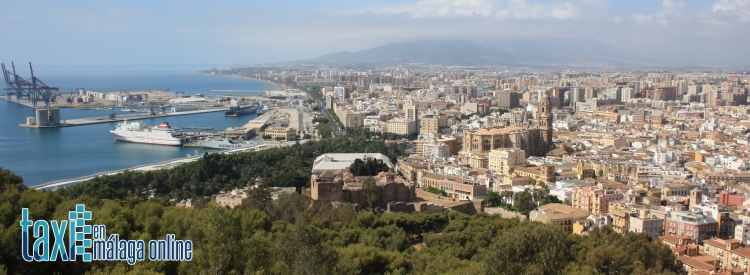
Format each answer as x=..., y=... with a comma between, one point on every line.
x=222, y=32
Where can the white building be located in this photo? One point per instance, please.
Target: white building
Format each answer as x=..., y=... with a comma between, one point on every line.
x=437, y=150
x=344, y=160
x=339, y=93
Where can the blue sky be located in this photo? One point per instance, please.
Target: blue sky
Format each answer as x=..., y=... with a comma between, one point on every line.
x=230, y=32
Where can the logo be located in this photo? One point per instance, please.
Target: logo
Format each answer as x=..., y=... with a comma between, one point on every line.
x=91, y=243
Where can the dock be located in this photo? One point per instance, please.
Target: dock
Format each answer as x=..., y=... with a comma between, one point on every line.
x=258, y=122
x=107, y=119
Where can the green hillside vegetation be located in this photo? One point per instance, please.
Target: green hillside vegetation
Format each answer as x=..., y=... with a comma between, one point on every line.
x=297, y=236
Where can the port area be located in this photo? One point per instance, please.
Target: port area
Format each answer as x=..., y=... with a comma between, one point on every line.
x=106, y=119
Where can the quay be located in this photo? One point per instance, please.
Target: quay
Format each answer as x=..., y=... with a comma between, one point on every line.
x=106, y=119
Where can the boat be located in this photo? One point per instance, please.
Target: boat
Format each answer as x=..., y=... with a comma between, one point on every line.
x=126, y=110
x=213, y=143
x=236, y=110
x=139, y=132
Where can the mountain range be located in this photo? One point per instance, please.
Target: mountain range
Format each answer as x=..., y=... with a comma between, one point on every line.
x=494, y=52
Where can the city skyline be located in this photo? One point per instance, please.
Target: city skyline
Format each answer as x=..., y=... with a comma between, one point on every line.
x=230, y=32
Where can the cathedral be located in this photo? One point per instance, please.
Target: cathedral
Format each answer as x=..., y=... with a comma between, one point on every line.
x=533, y=136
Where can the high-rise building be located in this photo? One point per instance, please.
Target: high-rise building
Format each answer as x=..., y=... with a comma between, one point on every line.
x=509, y=99
x=429, y=124
x=664, y=93
x=577, y=94
x=410, y=111
x=694, y=89
x=590, y=93
x=626, y=94
x=340, y=93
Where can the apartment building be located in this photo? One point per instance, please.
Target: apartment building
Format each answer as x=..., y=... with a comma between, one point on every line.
x=503, y=160
x=402, y=126
x=677, y=189
x=455, y=187
x=593, y=199
x=286, y=133
x=432, y=123
x=693, y=225
x=435, y=150
x=730, y=253
x=645, y=221
x=544, y=172
x=560, y=215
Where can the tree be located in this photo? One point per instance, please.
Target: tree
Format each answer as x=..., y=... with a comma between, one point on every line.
x=549, y=199
x=530, y=248
x=307, y=136
x=316, y=108
x=370, y=188
x=324, y=131
x=493, y=199
x=280, y=138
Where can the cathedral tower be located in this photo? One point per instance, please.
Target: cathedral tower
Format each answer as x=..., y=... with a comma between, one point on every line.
x=544, y=120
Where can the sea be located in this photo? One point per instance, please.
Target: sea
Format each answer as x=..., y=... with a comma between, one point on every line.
x=44, y=155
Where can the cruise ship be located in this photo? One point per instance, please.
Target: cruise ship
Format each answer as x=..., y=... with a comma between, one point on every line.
x=139, y=132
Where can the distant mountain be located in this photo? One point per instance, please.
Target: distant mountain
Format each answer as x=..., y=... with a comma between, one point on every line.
x=445, y=52
x=495, y=52
x=562, y=50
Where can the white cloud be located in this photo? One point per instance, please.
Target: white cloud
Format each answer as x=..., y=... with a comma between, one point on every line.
x=672, y=6
x=672, y=11
x=732, y=10
x=502, y=9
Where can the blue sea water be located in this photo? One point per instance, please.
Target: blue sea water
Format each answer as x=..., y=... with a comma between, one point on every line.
x=44, y=155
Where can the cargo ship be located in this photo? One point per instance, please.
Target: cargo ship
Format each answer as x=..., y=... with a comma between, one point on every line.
x=139, y=132
x=236, y=110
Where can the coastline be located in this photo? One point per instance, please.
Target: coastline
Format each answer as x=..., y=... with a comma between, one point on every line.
x=279, y=85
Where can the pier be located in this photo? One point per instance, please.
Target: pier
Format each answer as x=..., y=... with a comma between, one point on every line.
x=107, y=119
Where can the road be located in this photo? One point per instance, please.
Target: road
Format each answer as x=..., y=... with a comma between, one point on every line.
x=336, y=129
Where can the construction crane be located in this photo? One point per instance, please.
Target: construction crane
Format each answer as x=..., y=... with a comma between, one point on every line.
x=33, y=90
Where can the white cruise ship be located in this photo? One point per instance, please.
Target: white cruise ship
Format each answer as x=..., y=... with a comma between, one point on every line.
x=139, y=132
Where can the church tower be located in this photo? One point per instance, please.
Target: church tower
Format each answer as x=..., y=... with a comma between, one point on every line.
x=544, y=120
